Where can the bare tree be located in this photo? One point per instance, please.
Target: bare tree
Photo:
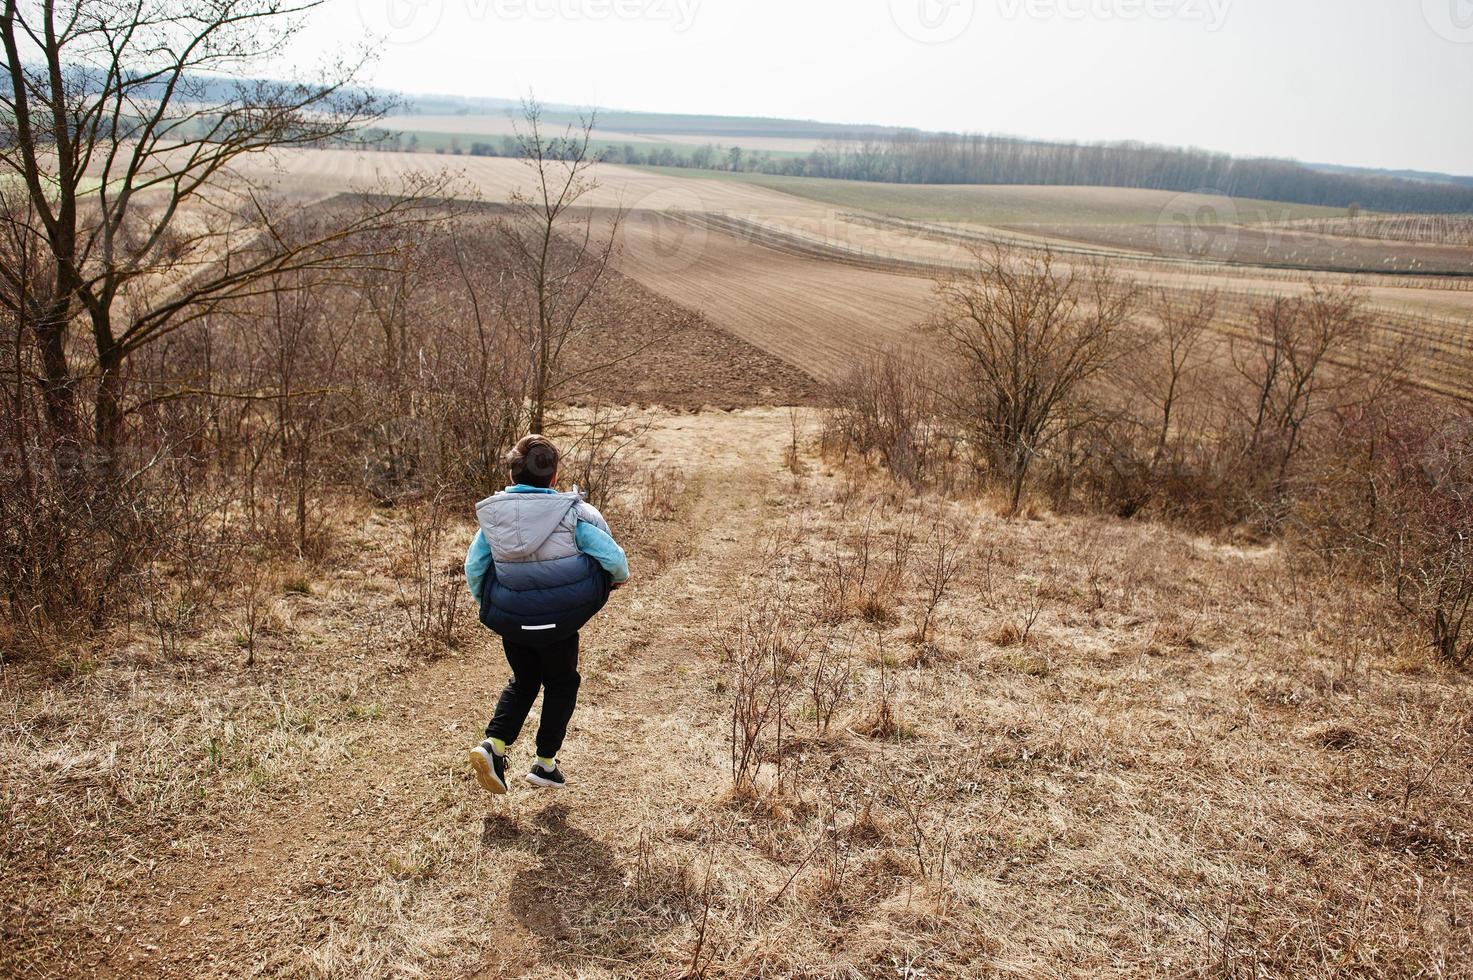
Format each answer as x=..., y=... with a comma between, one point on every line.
x=123, y=122
x=558, y=254
x=1184, y=347
x=1289, y=369
x=26, y=277
x=1027, y=338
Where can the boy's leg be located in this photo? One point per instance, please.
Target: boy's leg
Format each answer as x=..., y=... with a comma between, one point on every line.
x=560, y=682
x=516, y=700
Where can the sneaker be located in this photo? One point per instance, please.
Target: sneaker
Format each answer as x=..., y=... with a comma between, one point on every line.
x=489, y=767
x=547, y=778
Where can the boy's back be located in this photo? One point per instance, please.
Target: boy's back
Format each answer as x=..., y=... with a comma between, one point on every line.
x=543, y=586
x=541, y=565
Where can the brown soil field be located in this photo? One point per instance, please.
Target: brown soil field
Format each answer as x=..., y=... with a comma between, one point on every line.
x=817, y=302
x=1437, y=229
x=651, y=351
x=1273, y=247
x=493, y=179
x=1196, y=761
x=812, y=285
x=810, y=312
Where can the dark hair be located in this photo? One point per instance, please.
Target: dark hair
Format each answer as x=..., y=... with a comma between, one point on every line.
x=533, y=461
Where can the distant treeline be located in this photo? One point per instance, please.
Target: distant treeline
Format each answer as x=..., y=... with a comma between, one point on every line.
x=915, y=158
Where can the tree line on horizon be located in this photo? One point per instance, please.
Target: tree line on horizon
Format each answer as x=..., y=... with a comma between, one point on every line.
x=948, y=158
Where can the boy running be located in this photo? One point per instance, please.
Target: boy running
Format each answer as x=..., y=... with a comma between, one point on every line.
x=541, y=566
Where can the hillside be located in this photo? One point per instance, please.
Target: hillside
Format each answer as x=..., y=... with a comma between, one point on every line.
x=1126, y=750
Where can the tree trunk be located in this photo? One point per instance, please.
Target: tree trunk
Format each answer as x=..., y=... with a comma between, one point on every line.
x=1020, y=475
x=109, y=409
x=58, y=387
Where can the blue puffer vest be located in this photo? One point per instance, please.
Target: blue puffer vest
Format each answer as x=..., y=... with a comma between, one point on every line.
x=540, y=588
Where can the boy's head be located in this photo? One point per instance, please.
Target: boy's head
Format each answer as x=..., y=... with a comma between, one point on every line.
x=533, y=462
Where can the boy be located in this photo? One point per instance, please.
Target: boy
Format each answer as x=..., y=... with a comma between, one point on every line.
x=541, y=566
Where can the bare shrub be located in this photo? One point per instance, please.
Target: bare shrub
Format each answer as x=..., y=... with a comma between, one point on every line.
x=254, y=610
x=431, y=600
x=655, y=494
x=761, y=654
x=594, y=458
x=1216, y=440
x=1391, y=498
x=792, y=452
x=1027, y=339
x=829, y=682
x=1029, y=614
x=1288, y=370
x=946, y=552
x=926, y=816
x=886, y=410
x=1174, y=364
x=884, y=721
x=863, y=574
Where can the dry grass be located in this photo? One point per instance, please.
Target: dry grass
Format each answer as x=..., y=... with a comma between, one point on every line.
x=1200, y=762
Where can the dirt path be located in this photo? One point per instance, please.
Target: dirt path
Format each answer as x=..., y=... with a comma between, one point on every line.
x=282, y=886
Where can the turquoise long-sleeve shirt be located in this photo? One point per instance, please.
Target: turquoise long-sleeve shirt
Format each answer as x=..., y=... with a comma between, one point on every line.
x=592, y=541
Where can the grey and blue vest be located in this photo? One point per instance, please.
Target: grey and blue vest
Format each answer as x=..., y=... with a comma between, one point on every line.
x=540, y=588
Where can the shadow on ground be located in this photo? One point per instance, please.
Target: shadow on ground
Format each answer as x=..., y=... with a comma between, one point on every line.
x=568, y=896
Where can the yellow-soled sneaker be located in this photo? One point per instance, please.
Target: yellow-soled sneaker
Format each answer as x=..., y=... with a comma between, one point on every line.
x=489, y=767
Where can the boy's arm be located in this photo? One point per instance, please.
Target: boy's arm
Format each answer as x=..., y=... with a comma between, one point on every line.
x=477, y=564
x=599, y=545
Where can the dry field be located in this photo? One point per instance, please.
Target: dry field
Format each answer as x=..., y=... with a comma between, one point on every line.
x=497, y=125
x=1436, y=229
x=816, y=291
x=650, y=351
x=812, y=312
x=1274, y=247
x=493, y=179
x=1122, y=750
x=814, y=285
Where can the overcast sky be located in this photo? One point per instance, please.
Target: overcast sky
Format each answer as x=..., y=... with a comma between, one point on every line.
x=1382, y=83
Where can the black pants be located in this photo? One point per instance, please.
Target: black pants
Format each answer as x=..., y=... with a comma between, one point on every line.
x=554, y=669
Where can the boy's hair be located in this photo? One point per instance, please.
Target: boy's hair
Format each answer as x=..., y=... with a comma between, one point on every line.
x=533, y=461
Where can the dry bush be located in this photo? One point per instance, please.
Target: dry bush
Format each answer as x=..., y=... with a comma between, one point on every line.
x=431, y=598
x=248, y=429
x=367, y=343
x=1026, y=341
x=830, y=677
x=1391, y=500
x=792, y=452
x=655, y=492
x=761, y=652
x=887, y=410
x=947, y=549
x=863, y=571
x=1290, y=378
x=74, y=557
x=596, y=444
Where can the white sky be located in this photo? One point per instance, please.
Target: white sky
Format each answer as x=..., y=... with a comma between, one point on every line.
x=1383, y=83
